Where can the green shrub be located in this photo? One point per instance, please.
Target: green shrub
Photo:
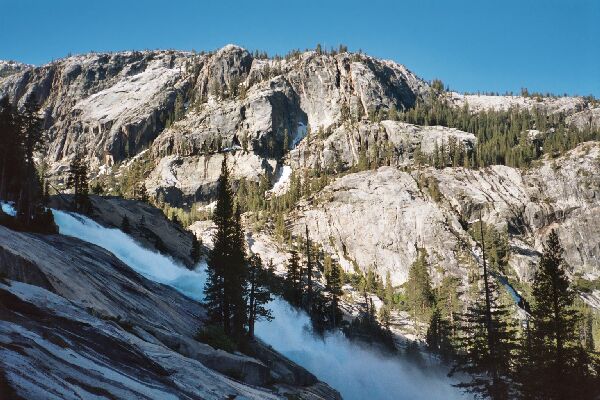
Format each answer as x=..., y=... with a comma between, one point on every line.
x=215, y=336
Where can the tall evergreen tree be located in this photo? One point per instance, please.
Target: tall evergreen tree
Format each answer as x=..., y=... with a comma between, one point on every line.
x=21, y=139
x=226, y=269
x=487, y=341
x=487, y=350
x=293, y=280
x=12, y=171
x=179, y=108
x=236, y=281
x=389, y=290
x=31, y=134
x=419, y=292
x=195, y=250
x=258, y=294
x=448, y=301
x=334, y=287
x=439, y=335
x=78, y=181
x=556, y=365
x=309, y=271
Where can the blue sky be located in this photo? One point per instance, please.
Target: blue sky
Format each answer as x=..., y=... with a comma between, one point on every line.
x=478, y=45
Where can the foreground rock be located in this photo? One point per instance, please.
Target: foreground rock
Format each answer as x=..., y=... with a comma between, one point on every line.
x=133, y=337
x=53, y=349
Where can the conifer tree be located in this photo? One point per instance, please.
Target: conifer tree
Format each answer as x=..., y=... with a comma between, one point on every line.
x=293, y=280
x=45, y=192
x=31, y=136
x=20, y=139
x=195, y=250
x=439, y=335
x=236, y=281
x=179, y=109
x=418, y=288
x=556, y=366
x=78, y=181
x=487, y=341
x=226, y=269
x=385, y=316
x=448, y=301
x=258, y=294
x=309, y=270
x=487, y=350
x=334, y=287
x=11, y=151
x=389, y=290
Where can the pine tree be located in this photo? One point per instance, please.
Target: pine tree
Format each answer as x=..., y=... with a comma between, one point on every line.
x=258, y=294
x=32, y=141
x=11, y=151
x=334, y=287
x=389, y=290
x=78, y=181
x=418, y=288
x=487, y=341
x=45, y=192
x=195, y=249
x=20, y=139
x=385, y=316
x=293, y=280
x=179, y=109
x=308, y=269
x=280, y=226
x=487, y=350
x=236, y=281
x=439, y=335
x=554, y=359
x=226, y=266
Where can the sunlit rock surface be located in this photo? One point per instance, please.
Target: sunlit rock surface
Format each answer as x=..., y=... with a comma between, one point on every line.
x=74, y=308
x=377, y=218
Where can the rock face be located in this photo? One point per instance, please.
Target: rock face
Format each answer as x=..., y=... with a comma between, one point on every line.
x=397, y=141
x=108, y=106
x=11, y=67
x=566, y=105
x=586, y=119
x=190, y=109
x=65, y=302
x=376, y=218
x=280, y=101
x=112, y=106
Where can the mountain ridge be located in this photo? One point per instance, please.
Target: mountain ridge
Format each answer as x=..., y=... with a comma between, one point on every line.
x=171, y=117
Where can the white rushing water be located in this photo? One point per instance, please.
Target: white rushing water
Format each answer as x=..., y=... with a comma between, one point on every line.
x=8, y=208
x=355, y=371
x=282, y=182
